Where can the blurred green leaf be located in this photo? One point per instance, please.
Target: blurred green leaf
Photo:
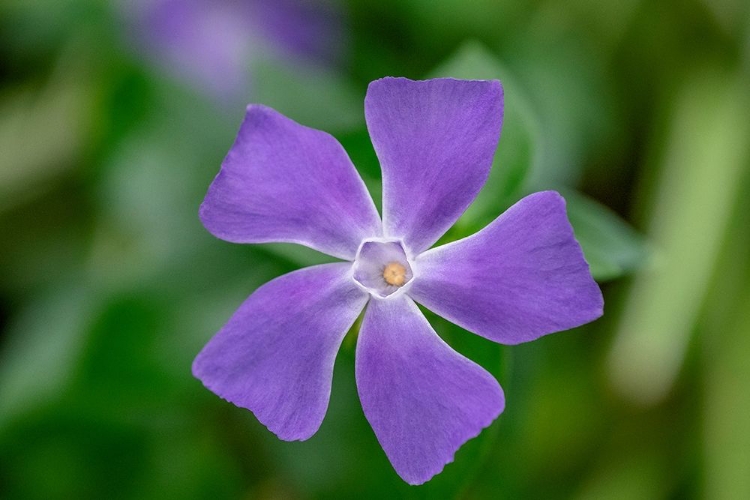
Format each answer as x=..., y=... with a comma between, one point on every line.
x=44, y=133
x=612, y=248
x=313, y=96
x=119, y=365
x=727, y=435
x=567, y=81
x=635, y=475
x=701, y=170
x=45, y=344
x=63, y=453
x=68, y=449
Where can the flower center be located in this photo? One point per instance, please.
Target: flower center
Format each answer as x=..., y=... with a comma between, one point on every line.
x=381, y=267
x=394, y=274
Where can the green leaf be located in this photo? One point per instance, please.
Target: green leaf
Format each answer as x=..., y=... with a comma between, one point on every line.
x=43, y=134
x=701, y=166
x=44, y=343
x=612, y=248
x=315, y=97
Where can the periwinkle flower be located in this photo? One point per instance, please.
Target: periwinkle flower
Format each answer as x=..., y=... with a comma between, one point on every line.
x=212, y=43
x=521, y=277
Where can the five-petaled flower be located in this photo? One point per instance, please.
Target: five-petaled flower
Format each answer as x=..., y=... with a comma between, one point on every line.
x=521, y=277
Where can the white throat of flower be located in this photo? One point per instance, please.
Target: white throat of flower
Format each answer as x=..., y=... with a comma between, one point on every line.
x=382, y=268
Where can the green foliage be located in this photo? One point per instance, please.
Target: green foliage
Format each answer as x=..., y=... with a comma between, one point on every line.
x=612, y=248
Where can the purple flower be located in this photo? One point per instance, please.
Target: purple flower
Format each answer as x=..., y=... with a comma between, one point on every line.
x=521, y=277
x=212, y=43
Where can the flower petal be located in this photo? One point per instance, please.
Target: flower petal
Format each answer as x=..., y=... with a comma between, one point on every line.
x=521, y=277
x=275, y=356
x=282, y=182
x=422, y=398
x=435, y=140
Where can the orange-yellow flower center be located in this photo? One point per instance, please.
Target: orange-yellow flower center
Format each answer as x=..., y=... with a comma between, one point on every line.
x=394, y=274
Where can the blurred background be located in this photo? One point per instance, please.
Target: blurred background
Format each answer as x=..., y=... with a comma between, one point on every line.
x=115, y=117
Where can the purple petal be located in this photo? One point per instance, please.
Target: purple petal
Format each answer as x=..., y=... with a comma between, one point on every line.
x=282, y=182
x=521, y=277
x=275, y=355
x=435, y=140
x=422, y=398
